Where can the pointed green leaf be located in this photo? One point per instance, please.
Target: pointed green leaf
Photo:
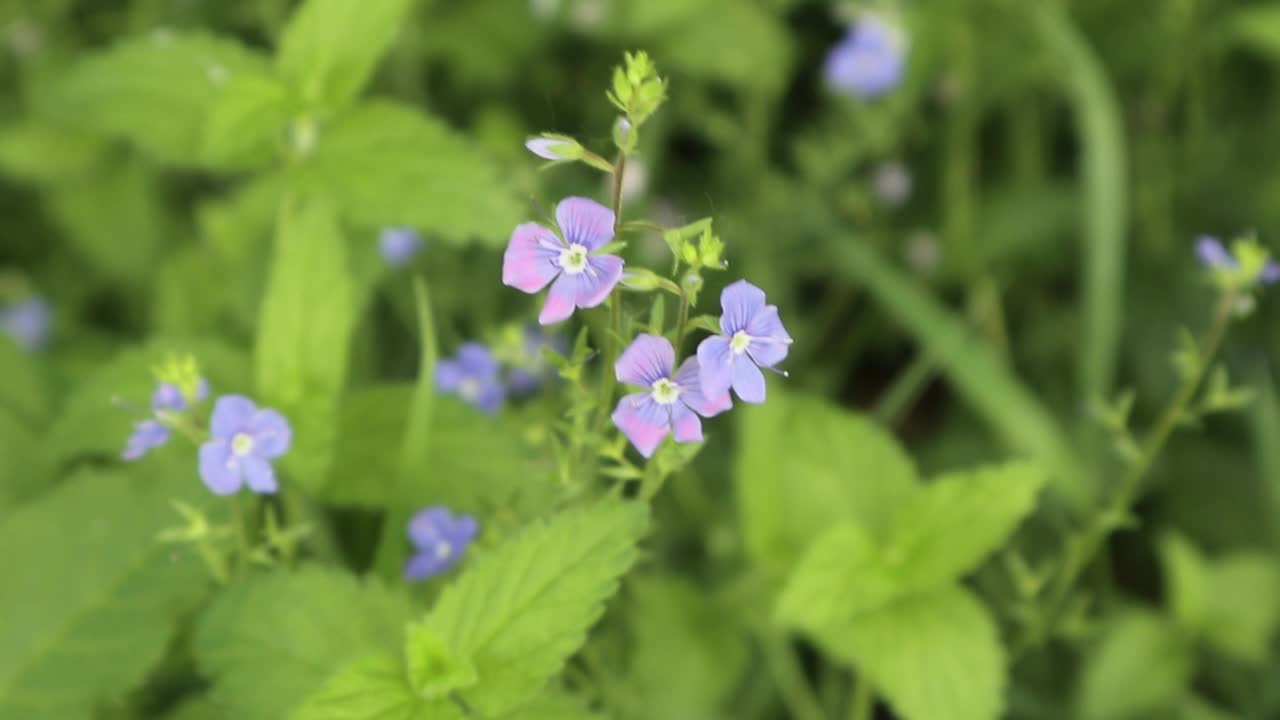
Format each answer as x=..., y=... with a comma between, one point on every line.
x=1139, y=669
x=331, y=47
x=373, y=687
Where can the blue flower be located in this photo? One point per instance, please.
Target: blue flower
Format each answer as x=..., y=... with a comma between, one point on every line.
x=472, y=375
x=147, y=435
x=670, y=400
x=753, y=338
x=152, y=433
x=440, y=539
x=245, y=441
x=399, y=245
x=1214, y=254
x=27, y=323
x=869, y=61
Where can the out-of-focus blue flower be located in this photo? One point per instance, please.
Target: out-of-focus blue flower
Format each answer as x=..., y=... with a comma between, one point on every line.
x=670, y=402
x=147, y=435
x=152, y=433
x=245, y=441
x=472, y=375
x=440, y=538
x=27, y=322
x=753, y=338
x=869, y=61
x=399, y=245
x=1215, y=255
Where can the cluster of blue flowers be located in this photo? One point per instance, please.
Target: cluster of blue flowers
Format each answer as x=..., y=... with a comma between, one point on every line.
x=477, y=375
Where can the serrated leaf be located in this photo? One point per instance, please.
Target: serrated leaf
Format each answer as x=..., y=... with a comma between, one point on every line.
x=387, y=164
x=520, y=612
x=373, y=687
x=247, y=122
x=93, y=600
x=155, y=91
x=805, y=465
x=1139, y=669
x=844, y=574
x=933, y=656
x=304, y=329
x=271, y=642
x=331, y=47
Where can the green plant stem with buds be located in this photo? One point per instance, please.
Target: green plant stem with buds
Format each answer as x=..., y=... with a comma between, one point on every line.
x=1083, y=548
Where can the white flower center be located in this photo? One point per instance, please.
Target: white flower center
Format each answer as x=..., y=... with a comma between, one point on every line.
x=665, y=392
x=443, y=549
x=574, y=259
x=469, y=389
x=740, y=342
x=242, y=444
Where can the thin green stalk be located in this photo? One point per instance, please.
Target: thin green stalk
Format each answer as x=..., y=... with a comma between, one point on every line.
x=683, y=319
x=789, y=676
x=1082, y=551
x=242, y=535
x=905, y=390
x=863, y=700
x=619, y=168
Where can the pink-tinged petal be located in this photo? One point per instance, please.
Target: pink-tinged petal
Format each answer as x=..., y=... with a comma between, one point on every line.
x=646, y=360
x=689, y=378
x=740, y=302
x=770, y=341
x=685, y=425
x=643, y=421
x=560, y=301
x=585, y=222
x=544, y=147
x=715, y=362
x=529, y=262
x=231, y=414
x=219, y=468
x=595, y=283
x=748, y=381
x=271, y=434
x=259, y=474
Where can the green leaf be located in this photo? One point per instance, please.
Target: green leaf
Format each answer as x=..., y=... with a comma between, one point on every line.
x=304, y=329
x=845, y=573
x=1139, y=669
x=92, y=599
x=331, y=47
x=933, y=655
x=1256, y=27
x=1186, y=580
x=247, y=123
x=1243, y=606
x=752, y=50
x=155, y=91
x=434, y=671
x=555, y=706
x=22, y=383
x=520, y=612
x=805, y=465
x=373, y=687
x=40, y=153
x=388, y=164
x=272, y=641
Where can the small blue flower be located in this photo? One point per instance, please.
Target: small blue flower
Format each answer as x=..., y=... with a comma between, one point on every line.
x=147, y=435
x=1214, y=255
x=27, y=323
x=753, y=338
x=399, y=246
x=152, y=433
x=472, y=375
x=245, y=441
x=869, y=61
x=440, y=538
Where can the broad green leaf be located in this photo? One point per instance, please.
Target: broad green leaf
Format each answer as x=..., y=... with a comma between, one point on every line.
x=304, y=329
x=373, y=687
x=520, y=612
x=434, y=671
x=247, y=123
x=556, y=706
x=805, y=465
x=933, y=656
x=388, y=164
x=235, y=223
x=41, y=153
x=1243, y=606
x=752, y=50
x=270, y=642
x=1187, y=583
x=1139, y=669
x=1256, y=27
x=844, y=573
x=114, y=218
x=22, y=383
x=331, y=47
x=92, y=600
x=155, y=91
x=21, y=472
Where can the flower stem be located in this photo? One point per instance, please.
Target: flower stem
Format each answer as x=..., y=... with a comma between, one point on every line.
x=242, y=535
x=683, y=320
x=1090, y=539
x=863, y=699
x=787, y=673
x=619, y=168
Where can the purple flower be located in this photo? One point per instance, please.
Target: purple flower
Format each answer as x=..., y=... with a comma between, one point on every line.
x=670, y=401
x=1214, y=254
x=398, y=245
x=152, y=433
x=753, y=338
x=869, y=61
x=536, y=256
x=530, y=369
x=472, y=375
x=441, y=539
x=245, y=441
x=27, y=323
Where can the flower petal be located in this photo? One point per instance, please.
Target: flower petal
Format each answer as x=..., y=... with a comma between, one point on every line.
x=715, y=365
x=490, y=397
x=770, y=341
x=560, y=301
x=646, y=360
x=449, y=375
x=740, y=301
x=689, y=378
x=685, y=425
x=477, y=360
x=231, y=414
x=218, y=467
x=259, y=474
x=748, y=381
x=643, y=421
x=1211, y=252
x=271, y=433
x=585, y=222
x=427, y=563
x=1270, y=273
x=595, y=283
x=463, y=531
x=146, y=435
x=168, y=397
x=529, y=262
